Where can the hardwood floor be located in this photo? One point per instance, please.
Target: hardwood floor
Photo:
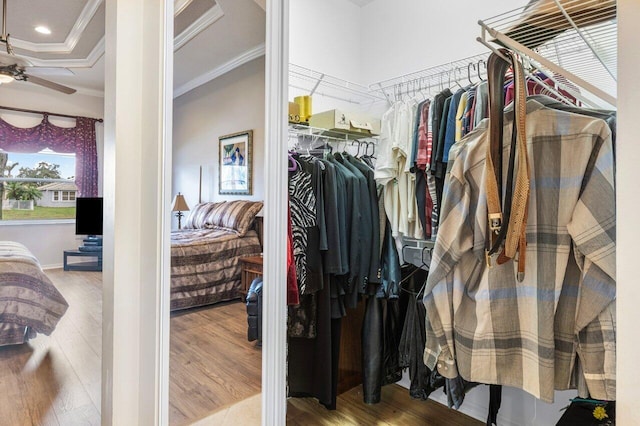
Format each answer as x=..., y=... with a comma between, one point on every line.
x=55, y=380
x=212, y=363
x=395, y=408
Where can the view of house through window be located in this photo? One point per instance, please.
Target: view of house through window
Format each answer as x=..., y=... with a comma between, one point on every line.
x=37, y=186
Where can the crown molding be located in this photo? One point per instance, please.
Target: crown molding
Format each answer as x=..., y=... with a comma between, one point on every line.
x=239, y=60
x=87, y=62
x=73, y=37
x=180, y=5
x=199, y=25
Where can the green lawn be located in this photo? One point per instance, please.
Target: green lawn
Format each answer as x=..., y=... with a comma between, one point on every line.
x=40, y=213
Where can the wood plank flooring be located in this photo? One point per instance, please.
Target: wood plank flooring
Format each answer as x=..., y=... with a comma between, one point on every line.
x=55, y=380
x=395, y=408
x=212, y=363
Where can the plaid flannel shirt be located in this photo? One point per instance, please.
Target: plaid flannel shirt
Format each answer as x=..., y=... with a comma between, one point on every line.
x=556, y=329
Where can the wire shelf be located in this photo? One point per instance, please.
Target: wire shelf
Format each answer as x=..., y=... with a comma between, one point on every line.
x=579, y=36
x=315, y=82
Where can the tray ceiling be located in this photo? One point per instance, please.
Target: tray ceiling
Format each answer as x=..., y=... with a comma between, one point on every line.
x=77, y=29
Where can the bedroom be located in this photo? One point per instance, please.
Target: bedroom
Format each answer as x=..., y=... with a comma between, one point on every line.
x=217, y=94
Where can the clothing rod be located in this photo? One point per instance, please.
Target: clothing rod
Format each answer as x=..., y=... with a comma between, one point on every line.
x=428, y=73
x=99, y=120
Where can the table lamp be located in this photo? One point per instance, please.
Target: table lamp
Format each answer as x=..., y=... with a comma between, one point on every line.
x=179, y=205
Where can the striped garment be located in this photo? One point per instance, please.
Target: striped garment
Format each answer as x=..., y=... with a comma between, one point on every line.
x=302, y=205
x=556, y=329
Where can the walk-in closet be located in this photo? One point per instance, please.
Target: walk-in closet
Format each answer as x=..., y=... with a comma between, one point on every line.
x=451, y=207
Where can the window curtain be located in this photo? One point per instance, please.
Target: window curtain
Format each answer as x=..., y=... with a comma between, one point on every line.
x=79, y=140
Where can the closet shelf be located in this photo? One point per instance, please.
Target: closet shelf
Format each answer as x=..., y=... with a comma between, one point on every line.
x=576, y=39
x=461, y=72
x=313, y=134
x=311, y=82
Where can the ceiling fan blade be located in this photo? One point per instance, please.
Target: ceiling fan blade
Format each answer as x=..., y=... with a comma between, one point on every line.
x=55, y=71
x=49, y=84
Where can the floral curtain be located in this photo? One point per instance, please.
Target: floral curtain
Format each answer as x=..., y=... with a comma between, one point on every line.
x=80, y=140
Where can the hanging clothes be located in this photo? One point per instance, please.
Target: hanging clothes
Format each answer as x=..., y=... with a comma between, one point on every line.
x=573, y=205
x=342, y=263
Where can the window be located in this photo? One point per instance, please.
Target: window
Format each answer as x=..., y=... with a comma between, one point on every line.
x=37, y=186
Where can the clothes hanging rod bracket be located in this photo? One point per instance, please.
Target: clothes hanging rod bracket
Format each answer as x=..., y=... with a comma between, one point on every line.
x=514, y=45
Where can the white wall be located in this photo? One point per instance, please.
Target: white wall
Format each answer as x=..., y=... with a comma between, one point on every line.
x=47, y=241
x=229, y=104
x=402, y=36
x=325, y=36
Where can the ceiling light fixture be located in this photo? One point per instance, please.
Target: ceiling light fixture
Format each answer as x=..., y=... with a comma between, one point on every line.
x=4, y=78
x=43, y=30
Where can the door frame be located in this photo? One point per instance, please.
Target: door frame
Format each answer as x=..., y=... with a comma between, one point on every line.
x=274, y=348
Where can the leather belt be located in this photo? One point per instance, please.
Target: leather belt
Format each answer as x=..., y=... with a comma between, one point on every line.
x=507, y=227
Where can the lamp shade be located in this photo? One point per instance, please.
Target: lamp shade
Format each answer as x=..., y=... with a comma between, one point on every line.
x=179, y=203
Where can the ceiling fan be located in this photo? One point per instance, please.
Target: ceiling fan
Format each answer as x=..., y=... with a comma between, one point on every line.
x=13, y=67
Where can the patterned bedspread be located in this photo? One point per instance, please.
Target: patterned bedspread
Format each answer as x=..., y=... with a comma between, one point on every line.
x=205, y=265
x=29, y=302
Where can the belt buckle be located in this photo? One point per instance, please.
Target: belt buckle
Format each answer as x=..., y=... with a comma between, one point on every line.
x=495, y=222
x=487, y=258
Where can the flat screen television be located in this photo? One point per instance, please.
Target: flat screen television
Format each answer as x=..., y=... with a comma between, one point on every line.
x=89, y=216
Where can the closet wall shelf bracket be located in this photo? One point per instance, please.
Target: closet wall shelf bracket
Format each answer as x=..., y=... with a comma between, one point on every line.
x=519, y=48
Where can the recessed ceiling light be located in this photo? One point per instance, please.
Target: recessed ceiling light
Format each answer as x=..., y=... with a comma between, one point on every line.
x=43, y=30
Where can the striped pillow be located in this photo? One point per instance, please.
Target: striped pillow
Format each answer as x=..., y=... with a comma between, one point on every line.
x=198, y=215
x=235, y=216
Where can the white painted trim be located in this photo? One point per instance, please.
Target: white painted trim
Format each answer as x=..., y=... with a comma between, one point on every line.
x=87, y=62
x=207, y=19
x=73, y=37
x=199, y=25
x=239, y=60
x=627, y=206
x=180, y=5
x=274, y=349
x=137, y=184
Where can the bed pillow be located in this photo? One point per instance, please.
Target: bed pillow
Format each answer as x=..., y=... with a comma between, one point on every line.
x=235, y=216
x=197, y=216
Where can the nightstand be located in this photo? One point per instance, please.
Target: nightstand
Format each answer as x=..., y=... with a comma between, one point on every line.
x=251, y=269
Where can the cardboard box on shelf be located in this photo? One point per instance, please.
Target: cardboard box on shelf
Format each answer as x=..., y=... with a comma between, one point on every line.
x=346, y=122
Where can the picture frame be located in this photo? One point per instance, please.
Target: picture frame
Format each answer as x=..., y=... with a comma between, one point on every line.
x=235, y=163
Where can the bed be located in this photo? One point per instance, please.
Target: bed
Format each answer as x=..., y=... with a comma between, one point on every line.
x=29, y=302
x=205, y=255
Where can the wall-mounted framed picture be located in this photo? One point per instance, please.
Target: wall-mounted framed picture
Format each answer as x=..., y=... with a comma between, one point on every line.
x=235, y=163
